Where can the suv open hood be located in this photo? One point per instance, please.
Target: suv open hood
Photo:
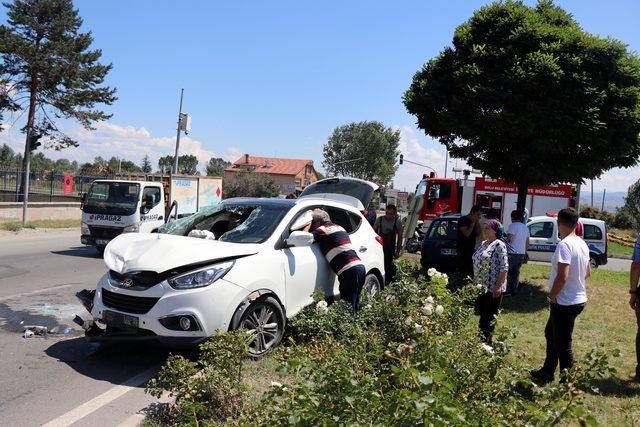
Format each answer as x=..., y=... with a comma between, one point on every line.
x=354, y=187
x=161, y=252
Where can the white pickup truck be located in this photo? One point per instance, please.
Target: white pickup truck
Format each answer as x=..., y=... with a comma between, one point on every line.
x=113, y=207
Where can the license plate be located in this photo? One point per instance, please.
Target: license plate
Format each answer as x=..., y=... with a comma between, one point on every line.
x=119, y=320
x=102, y=241
x=446, y=251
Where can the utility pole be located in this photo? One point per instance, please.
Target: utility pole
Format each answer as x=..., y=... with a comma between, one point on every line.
x=175, y=158
x=591, y=193
x=604, y=194
x=446, y=162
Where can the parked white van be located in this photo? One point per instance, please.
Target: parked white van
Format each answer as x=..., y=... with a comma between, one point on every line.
x=543, y=238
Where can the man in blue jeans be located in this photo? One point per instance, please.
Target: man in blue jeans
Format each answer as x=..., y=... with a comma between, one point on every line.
x=570, y=269
x=634, y=300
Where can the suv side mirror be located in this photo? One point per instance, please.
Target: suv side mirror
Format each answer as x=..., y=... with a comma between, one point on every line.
x=299, y=239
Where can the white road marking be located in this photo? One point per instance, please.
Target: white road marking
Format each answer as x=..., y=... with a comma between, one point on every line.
x=103, y=399
x=137, y=418
x=39, y=291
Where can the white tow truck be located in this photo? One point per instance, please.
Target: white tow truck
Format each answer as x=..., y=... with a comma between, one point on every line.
x=141, y=204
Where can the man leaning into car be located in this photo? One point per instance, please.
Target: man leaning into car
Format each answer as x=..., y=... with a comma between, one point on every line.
x=336, y=246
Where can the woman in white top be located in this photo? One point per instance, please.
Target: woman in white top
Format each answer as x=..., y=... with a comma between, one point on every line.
x=490, y=265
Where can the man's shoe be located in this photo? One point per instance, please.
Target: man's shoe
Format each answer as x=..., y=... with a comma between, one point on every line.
x=541, y=376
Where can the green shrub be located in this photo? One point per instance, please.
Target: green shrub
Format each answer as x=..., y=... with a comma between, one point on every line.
x=411, y=356
x=209, y=389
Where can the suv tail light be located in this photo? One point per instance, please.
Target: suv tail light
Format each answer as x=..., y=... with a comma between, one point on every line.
x=378, y=239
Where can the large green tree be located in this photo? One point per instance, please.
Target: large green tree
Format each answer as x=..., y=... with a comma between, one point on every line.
x=366, y=150
x=50, y=69
x=216, y=166
x=525, y=94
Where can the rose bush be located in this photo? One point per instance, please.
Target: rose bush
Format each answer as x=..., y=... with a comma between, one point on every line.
x=411, y=356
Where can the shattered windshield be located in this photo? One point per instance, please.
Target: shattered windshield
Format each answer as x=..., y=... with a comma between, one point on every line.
x=116, y=198
x=236, y=223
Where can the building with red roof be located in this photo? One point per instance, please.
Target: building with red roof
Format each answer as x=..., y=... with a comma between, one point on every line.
x=292, y=175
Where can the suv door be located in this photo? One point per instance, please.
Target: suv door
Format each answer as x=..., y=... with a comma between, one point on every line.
x=306, y=271
x=542, y=240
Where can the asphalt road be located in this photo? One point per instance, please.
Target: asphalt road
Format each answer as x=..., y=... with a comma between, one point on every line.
x=61, y=379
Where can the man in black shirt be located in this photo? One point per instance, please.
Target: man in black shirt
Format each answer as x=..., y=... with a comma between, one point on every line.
x=468, y=232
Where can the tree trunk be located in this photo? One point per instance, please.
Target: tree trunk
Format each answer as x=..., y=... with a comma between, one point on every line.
x=522, y=196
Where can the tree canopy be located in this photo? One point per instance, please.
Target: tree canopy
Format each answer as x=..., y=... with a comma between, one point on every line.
x=250, y=184
x=216, y=166
x=187, y=164
x=50, y=67
x=145, y=166
x=525, y=94
x=365, y=150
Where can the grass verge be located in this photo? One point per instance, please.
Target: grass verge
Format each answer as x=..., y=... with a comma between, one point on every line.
x=42, y=223
x=606, y=320
x=618, y=249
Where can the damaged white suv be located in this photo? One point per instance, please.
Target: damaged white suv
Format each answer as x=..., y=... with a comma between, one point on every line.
x=254, y=270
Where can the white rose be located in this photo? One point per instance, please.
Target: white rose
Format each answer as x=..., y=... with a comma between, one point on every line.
x=322, y=307
x=429, y=300
x=408, y=321
x=487, y=348
x=448, y=333
x=418, y=328
x=439, y=310
x=367, y=306
x=276, y=384
x=432, y=272
x=427, y=309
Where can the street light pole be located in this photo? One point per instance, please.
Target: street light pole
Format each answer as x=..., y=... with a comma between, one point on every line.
x=175, y=158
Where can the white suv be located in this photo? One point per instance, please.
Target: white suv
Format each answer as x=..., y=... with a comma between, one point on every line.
x=181, y=289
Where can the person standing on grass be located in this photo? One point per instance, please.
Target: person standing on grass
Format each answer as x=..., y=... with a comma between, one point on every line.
x=389, y=228
x=336, y=246
x=469, y=231
x=490, y=265
x=634, y=301
x=518, y=238
x=570, y=269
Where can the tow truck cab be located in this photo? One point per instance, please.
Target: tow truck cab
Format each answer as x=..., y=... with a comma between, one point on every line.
x=113, y=207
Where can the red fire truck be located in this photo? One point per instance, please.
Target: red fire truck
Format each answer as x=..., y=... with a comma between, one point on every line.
x=441, y=195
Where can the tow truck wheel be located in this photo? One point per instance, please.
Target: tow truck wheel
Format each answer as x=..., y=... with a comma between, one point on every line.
x=594, y=262
x=264, y=321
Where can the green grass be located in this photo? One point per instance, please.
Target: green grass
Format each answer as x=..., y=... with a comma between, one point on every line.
x=618, y=249
x=607, y=320
x=42, y=223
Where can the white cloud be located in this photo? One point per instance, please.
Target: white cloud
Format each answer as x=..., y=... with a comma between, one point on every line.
x=128, y=142
x=429, y=153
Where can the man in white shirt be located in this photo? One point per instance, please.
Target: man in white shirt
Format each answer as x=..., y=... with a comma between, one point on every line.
x=570, y=269
x=518, y=238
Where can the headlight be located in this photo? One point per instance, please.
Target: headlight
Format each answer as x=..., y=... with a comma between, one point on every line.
x=84, y=228
x=132, y=228
x=202, y=277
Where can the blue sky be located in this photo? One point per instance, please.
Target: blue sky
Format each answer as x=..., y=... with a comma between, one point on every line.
x=275, y=78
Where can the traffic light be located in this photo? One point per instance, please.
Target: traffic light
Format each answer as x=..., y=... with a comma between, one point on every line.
x=401, y=158
x=33, y=141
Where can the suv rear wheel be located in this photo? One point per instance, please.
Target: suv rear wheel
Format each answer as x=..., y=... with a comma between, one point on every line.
x=594, y=262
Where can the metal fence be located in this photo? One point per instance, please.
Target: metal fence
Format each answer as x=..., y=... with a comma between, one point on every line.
x=44, y=185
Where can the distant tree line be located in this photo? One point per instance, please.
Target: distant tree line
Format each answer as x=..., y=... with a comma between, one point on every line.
x=187, y=164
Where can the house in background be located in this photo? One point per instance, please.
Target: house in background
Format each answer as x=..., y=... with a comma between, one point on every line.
x=292, y=175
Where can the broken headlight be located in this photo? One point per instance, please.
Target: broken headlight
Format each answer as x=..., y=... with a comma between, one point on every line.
x=202, y=277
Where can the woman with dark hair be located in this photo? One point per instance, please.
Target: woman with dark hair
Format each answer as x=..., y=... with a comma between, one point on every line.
x=490, y=266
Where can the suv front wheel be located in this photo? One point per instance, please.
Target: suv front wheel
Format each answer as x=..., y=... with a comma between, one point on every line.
x=264, y=321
